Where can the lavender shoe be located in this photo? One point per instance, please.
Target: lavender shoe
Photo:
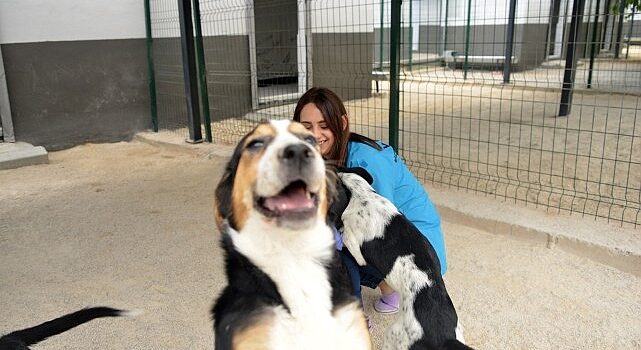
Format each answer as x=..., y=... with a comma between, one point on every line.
x=388, y=304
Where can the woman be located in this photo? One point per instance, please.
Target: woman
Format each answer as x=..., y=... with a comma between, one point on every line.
x=322, y=112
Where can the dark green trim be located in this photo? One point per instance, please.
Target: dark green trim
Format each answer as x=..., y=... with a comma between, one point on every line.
x=190, y=74
x=150, y=68
x=569, y=74
x=617, y=44
x=394, y=69
x=202, y=70
x=447, y=9
x=381, y=38
x=467, y=39
x=509, y=43
x=627, y=50
x=593, y=44
x=410, y=33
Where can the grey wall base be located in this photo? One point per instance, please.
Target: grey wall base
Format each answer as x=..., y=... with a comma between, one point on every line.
x=430, y=39
x=71, y=92
x=229, y=76
x=228, y=79
x=489, y=40
x=404, y=45
x=346, y=69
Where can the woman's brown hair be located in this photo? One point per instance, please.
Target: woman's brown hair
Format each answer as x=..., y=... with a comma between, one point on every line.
x=332, y=108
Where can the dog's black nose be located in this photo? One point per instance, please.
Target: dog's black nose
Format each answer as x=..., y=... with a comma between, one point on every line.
x=298, y=153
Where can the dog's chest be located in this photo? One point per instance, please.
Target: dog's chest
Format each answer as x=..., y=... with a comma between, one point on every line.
x=303, y=284
x=344, y=330
x=295, y=262
x=307, y=320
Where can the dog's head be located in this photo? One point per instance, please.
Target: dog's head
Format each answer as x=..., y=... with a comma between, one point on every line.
x=343, y=194
x=276, y=175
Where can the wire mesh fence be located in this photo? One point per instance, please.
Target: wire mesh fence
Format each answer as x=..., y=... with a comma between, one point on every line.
x=168, y=68
x=477, y=111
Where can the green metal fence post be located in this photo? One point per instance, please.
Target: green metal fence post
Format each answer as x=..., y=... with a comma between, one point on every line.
x=410, y=39
x=588, y=27
x=467, y=39
x=447, y=6
x=202, y=70
x=509, y=43
x=569, y=75
x=189, y=71
x=381, y=37
x=150, y=69
x=627, y=50
x=604, y=28
x=593, y=44
x=617, y=44
x=394, y=69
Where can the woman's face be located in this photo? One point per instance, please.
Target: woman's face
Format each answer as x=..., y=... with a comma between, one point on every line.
x=312, y=119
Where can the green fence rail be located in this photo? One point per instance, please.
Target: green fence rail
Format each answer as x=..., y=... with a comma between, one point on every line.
x=432, y=84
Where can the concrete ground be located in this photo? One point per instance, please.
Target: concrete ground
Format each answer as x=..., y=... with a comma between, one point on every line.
x=17, y=154
x=130, y=225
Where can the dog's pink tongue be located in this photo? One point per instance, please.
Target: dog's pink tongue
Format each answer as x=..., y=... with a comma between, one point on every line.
x=291, y=199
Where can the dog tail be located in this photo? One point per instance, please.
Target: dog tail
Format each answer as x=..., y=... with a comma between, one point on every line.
x=33, y=335
x=455, y=344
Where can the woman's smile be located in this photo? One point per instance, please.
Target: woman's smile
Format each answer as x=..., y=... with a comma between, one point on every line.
x=312, y=118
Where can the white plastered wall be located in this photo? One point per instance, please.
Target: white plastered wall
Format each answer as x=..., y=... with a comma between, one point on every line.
x=70, y=20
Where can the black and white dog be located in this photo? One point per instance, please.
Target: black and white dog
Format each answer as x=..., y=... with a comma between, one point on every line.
x=22, y=339
x=377, y=234
x=286, y=289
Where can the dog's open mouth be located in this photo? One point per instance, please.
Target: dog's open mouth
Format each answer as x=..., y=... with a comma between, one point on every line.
x=294, y=201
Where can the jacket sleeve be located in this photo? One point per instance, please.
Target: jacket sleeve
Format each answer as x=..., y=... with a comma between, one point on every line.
x=382, y=165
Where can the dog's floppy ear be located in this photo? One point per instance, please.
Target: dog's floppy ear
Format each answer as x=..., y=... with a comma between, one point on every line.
x=223, y=200
x=358, y=171
x=223, y=196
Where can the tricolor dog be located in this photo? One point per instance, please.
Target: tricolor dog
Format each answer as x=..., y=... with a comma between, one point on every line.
x=286, y=289
x=377, y=234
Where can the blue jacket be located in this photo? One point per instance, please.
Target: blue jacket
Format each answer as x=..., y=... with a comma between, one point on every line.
x=394, y=181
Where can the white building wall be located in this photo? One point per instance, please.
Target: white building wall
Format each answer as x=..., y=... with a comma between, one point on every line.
x=345, y=16
x=351, y=16
x=495, y=12
x=70, y=20
x=424, y=12
x=532, y=11
x=429, y=10
x=226, y=17
x=218, y=18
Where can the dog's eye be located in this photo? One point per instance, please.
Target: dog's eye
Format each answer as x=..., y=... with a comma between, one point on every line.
x=255, y=144
x=310, y=139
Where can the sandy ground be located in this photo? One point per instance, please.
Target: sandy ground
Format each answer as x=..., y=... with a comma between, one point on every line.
x=130, y=225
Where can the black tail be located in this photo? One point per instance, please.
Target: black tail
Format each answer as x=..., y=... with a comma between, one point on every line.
x=33, y=335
